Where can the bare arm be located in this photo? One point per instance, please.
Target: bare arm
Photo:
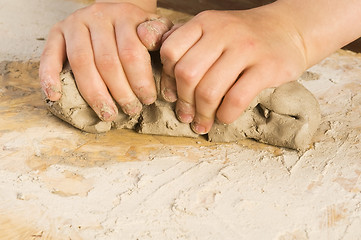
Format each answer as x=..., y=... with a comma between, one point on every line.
x=323, y=25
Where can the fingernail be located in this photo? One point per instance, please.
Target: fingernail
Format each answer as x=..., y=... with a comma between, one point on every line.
x=169, y=95
x=149, y=100
x=132, y=108
x=184, y=117
x=47, y=92
x=168, y=88
x=198, y=128
x=50, y=90
x=154, y=32
x=165, y=21
x=184, y=111
x=45, y=85
x=107, y=113
x=104, y=111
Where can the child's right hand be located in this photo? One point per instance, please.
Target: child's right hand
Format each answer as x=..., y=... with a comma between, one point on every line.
x=107, y=57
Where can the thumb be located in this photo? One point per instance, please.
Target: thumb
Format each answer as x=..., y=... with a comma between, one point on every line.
x=151, y=32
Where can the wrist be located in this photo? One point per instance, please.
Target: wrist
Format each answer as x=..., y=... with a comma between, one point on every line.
x=276, y=19
x=146, y=5
x=324, y=25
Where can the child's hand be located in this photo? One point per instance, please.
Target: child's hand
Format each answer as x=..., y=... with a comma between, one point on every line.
x=215, y=64
x=106, y=55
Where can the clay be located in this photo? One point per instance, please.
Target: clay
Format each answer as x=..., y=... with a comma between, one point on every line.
x=287, y=116
x=73, y=109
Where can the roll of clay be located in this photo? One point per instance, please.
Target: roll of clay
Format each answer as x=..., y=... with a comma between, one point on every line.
x=286, y=116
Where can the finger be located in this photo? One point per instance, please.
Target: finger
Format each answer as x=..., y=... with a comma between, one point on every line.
x=151, y=32
x=135, y=60
x=89, y=82
x=238, y=98
x=167, y=34
x=108, y=64
x=173, y=48
x=51, y=64
x=168, y=88
x=177, y=44
x=189, y=71
x=212, y=88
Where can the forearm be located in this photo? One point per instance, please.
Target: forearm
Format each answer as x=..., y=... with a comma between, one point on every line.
x=323, y=25
x=147, y=5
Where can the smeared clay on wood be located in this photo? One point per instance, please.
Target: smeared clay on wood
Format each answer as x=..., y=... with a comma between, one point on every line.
x=286, y=116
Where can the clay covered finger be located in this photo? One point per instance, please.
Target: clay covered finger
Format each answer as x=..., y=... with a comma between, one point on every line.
x=215, y=84
x=189, y=73
x=72, y=108
x=241, y=94
x=90, y=83
x=51, y=64
x=177, y=44
x=151, y=32
x=168, y=88
x=109, y=66
x=136, y=63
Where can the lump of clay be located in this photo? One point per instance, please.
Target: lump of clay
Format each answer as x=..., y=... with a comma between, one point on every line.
x=286, y=116
x=73, y=109
x=160, y=119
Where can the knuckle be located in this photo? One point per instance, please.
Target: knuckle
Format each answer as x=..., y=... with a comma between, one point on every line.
x=75, y=16
x=167, y=53
x=148, y=85
x=79, y=58
x=226, y=118
x=188, y=76
x=97, y=10
x=251, y=44
x=131, y=55
x=144, y=88
x=96, y=7
x=107, y=61
x=128, y=7
x=208, y=94
x=236, y=102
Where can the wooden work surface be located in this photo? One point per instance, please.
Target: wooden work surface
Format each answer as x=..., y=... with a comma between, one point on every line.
x=49, y=140
x=59, y=183
x=23, y=112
